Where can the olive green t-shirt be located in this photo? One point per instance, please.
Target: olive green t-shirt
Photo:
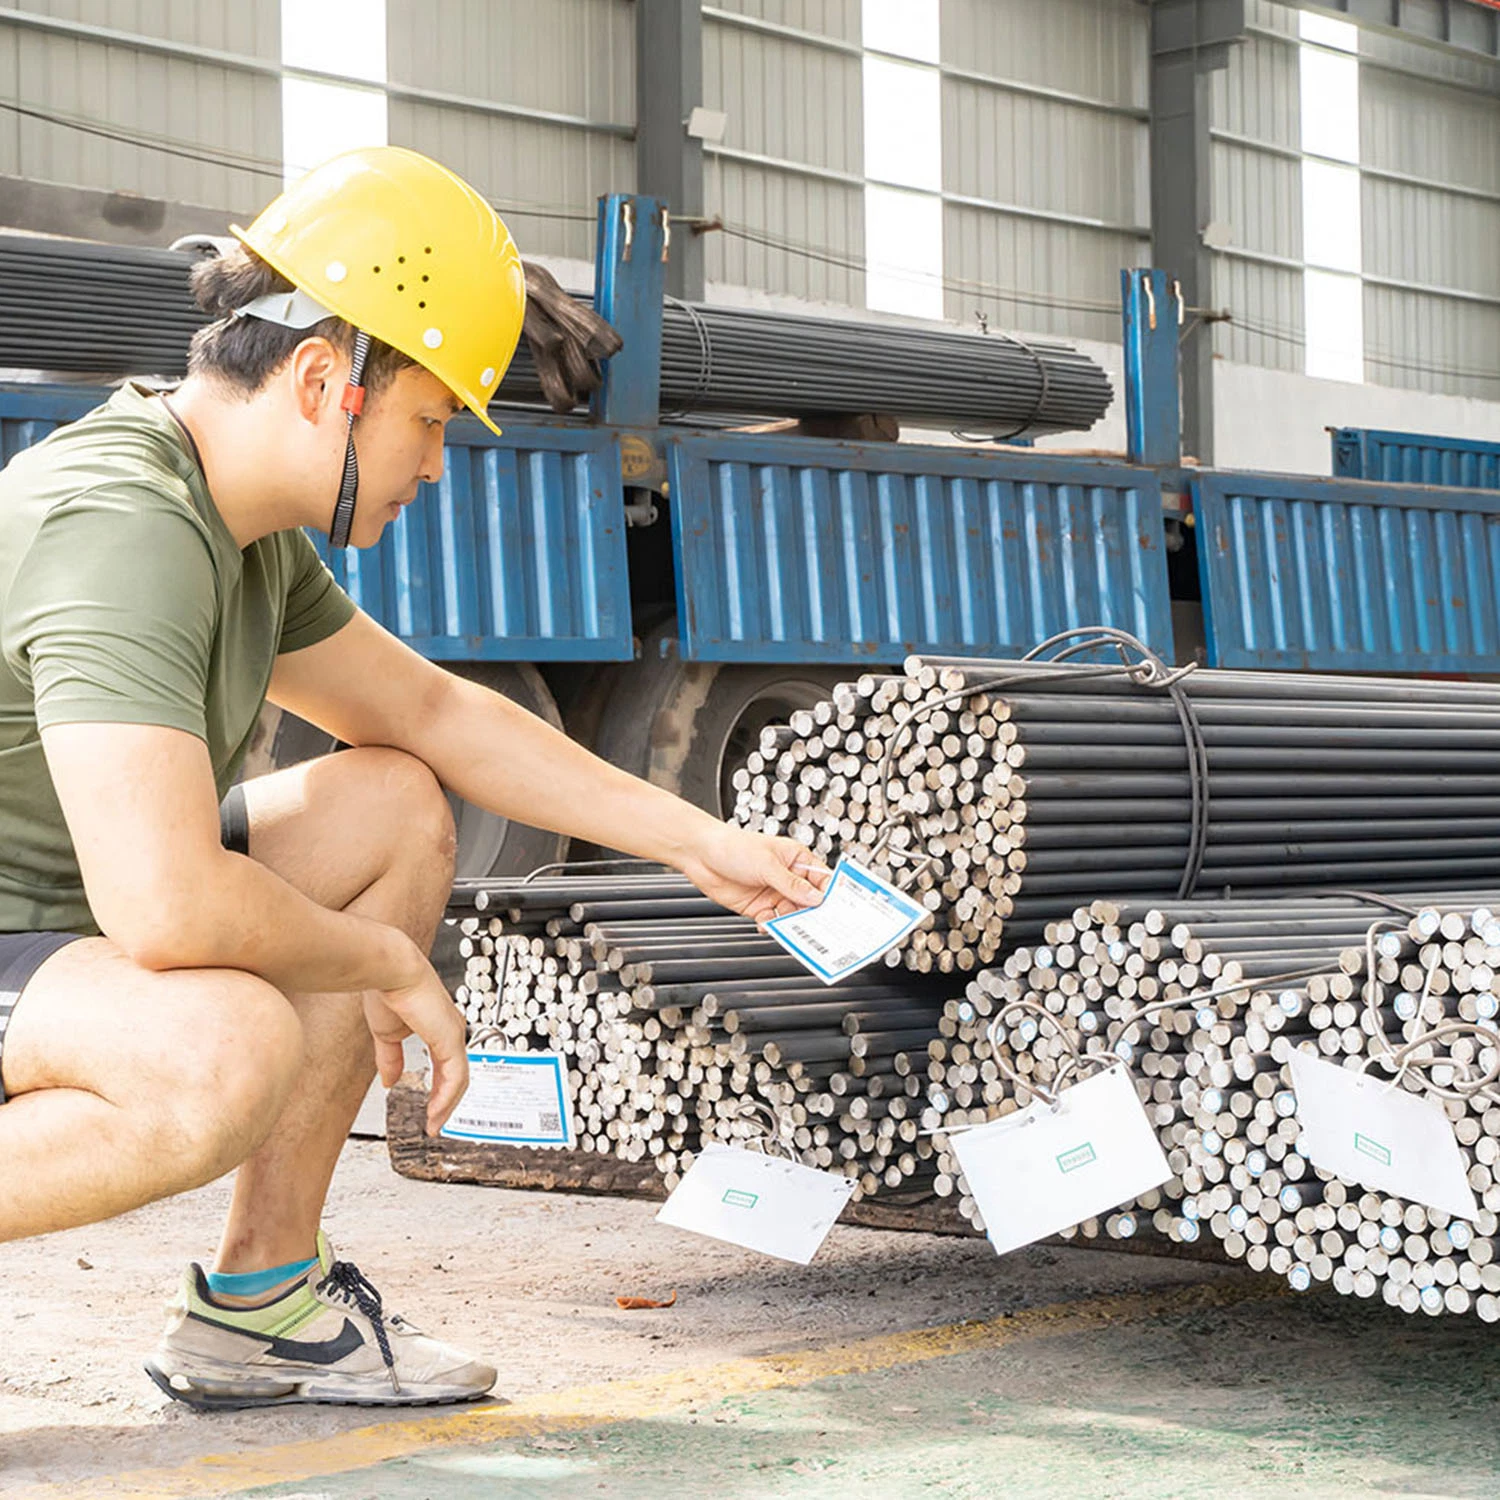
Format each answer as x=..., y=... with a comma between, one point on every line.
x=124, y=599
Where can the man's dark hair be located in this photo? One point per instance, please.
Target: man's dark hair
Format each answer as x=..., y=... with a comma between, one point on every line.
x=243, y=353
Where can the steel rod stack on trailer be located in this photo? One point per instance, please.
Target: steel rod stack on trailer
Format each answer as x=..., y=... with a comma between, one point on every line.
x=681, y=1023
x=724, y=359
x=1004, y=792
x=73, y=305
x=1203, y=1002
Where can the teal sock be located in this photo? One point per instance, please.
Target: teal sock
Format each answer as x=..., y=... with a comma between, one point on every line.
x=252, y=1283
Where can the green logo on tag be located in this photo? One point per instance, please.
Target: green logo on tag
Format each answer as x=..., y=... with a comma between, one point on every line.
x=1079, y=1156
x=736, y=1199
x=1373, y=1149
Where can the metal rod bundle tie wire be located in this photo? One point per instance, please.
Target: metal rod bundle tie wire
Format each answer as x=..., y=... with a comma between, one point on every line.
x=705, y=360
x=1404, y=1061
x=1043, y=391
x=1176, y=1002
x=777, y=1138
x=1147, y=671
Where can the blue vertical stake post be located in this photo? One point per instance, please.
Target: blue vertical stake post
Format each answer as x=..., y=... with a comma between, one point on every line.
x=630, y=278
x=1153, y=413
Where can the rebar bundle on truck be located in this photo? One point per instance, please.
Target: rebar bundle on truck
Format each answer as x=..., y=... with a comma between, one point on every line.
x=114, y=309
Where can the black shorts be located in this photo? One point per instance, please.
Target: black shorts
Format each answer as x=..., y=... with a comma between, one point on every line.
x=23, y=953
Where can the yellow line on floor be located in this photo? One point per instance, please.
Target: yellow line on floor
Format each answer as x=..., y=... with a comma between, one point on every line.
x=635, y=1400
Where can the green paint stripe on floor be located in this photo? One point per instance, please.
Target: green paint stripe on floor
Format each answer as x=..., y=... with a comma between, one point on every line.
x=600, y=1405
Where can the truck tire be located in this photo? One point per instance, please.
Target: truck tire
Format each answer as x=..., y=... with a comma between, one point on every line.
x=487, y=845
x=687, y=726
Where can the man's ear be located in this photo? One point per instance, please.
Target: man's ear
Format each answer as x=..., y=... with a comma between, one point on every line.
x=318, y=373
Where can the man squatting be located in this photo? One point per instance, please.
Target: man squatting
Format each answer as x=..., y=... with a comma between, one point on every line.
x=195, y=975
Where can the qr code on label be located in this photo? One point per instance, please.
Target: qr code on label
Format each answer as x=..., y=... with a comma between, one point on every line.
x=549, y=1124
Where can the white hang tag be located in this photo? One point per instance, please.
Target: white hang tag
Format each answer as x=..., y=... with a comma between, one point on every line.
x=1050, y=1166
x=764, y=1203
x=516, y=1098
x=1364, y=1130
x=859, y=918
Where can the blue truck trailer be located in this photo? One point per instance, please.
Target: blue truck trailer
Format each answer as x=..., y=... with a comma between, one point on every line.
x=665, y=591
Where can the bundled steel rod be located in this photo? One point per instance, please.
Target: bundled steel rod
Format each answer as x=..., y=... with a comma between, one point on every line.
x=721, y=359
x=73, y=305
x=1204, y=1003
x=1003, y=792
x=682, y=1026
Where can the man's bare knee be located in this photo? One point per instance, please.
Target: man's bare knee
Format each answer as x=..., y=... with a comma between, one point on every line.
x=427, y=819
x=236, y=1071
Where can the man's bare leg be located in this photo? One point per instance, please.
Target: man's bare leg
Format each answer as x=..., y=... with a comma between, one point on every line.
x=128, y=1085
x=366, y=831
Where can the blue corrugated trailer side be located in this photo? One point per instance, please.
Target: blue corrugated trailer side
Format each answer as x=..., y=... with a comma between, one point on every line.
x=1415, y=458
x=668, y=592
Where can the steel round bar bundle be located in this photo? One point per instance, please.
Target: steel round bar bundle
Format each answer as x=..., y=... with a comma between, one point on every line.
x=1204, y=1001
x=90, y=308
x=1430, y=1005
x=1033, y=1024
x=1004, y=792
x=85, y=307
x=681, y=1024
x=722, y=359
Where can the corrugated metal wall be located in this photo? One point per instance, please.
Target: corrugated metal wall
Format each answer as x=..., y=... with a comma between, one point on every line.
x=571, y=58
x=1045, y=160
x=788, y=177
x=1257, y=193
x=83, y=112
x=1430, y=184
x=1431, y=189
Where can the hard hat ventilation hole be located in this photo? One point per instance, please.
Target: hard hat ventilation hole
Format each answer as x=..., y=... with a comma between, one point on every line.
x=427, y=250
x=400, y=260
x=427, y=278
x=400, y=286
x=376, y=270
x=421, y=304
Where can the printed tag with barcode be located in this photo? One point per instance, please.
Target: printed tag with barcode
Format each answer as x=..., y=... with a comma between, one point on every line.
x=859, y=918
x=515, y=1098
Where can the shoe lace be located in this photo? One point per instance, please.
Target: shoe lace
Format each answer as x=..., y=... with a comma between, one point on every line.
x=349, y=1282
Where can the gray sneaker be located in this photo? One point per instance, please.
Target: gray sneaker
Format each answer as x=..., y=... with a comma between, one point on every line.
x=326, y=1339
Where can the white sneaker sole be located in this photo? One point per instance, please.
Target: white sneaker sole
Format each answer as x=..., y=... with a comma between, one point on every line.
x=209, y=1387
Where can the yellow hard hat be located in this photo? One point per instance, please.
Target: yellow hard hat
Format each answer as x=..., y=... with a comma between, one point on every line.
x=402, y=248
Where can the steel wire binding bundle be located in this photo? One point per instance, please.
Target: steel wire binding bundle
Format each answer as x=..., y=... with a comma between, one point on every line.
x=109, y=310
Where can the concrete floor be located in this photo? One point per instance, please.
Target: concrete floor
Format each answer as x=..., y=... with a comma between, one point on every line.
x=894, y=1366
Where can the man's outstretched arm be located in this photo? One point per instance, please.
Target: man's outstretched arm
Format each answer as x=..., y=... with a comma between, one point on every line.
x=369, y=688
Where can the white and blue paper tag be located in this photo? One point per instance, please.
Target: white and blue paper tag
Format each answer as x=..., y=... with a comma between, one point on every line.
x=859, y=918
x=514, y=1099
x=764, y=1203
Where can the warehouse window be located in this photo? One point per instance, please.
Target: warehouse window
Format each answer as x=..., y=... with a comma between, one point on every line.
x=1333, y=294
x=321, y=119
x=903, y=151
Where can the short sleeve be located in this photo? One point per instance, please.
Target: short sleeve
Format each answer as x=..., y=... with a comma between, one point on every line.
x=112, y=613
x=316, y=606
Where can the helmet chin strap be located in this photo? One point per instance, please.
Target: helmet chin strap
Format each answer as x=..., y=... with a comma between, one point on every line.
x=353, y=403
